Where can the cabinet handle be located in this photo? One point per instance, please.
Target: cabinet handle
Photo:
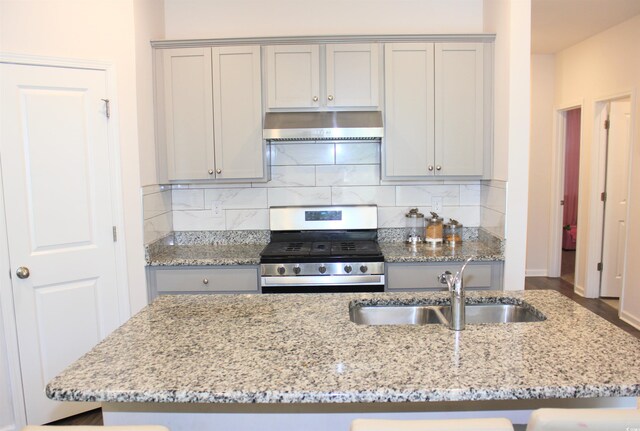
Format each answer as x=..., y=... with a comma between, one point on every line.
x=315, y=98
x=218, y=171
x=430, y=167
x=205, y=281
x=438, y=168
x=330, y=97
x=210, y=171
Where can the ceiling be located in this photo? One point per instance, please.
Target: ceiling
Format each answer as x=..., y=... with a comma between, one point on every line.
x=559, y=24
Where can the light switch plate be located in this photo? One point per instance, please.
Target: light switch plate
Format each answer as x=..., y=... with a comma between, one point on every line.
x=216, y=208
x=436, y=204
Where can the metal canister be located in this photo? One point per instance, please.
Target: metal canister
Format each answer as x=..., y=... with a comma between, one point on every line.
x=414, y=227
x=453, y=232
x=433, y=229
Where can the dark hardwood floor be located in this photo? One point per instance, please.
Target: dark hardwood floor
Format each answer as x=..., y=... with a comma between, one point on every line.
x=602, y=309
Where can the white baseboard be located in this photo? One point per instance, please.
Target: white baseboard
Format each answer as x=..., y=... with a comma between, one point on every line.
x=579, y=290
x=536, y=273
x=631, y=320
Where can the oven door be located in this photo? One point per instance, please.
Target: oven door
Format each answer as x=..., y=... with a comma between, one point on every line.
x=322, y=284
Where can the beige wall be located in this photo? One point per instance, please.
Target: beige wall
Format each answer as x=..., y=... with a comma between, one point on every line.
x=511, y=21
x=148, y=25
x=602, y=67
x=109, y=31
x=193, y=19
x=542, y=112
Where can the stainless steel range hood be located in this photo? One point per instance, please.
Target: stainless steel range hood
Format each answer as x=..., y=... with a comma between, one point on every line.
x=343, y=125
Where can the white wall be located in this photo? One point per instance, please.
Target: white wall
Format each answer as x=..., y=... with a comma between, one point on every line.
x=511, y=21
x=542, y=113
x=194, y=19
x=604, y=66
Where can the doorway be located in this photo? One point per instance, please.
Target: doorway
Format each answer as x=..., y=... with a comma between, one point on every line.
x=571, y=188
x=616, y=188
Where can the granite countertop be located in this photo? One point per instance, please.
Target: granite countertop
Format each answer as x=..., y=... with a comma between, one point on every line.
x=304, y=349
x=481, y=251
x=211, y=254
x=244, y=247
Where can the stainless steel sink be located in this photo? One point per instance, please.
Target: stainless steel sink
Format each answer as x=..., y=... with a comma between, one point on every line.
x=396, y=315
x=426, y=314
x=495, y=313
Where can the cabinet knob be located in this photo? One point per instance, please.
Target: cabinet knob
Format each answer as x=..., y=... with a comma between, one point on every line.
x=315, y=98
x=210, y=171
x=205, y=281
x=430, y=167
x=330, y=97
x=218, y=171
x=438, y=168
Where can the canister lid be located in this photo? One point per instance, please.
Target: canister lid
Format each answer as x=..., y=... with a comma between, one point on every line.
x=413, y=213
x=454, y=223
x=435, y=217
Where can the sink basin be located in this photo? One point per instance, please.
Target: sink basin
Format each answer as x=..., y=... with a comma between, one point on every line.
x=426, y=314
x=396, y=315
x=495, y=313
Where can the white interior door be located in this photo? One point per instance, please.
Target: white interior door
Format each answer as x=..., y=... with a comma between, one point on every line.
x=56, y=176
x=617, y=188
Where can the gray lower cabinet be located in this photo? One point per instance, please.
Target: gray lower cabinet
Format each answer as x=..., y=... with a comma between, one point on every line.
x=418, y=276
x=203, y=279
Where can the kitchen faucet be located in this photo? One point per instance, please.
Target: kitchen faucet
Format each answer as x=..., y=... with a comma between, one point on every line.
x=456, y=288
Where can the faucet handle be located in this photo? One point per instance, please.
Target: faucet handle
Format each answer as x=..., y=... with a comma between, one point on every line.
x=444, y=277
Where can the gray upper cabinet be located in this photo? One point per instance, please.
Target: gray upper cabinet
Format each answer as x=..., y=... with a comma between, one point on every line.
x=316, y=77
x=434, y=110
x=209, y=105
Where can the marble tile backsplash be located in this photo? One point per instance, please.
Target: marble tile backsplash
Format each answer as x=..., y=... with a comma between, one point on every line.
x=157, y=212
x=493, y=207
x=319, y=174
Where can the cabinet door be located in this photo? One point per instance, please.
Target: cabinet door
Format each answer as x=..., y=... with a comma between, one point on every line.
x=206, y=279
x=293, y=76
x=237, y=109
x=459, y=80
x=417, y=276
x=352, y=75
x=409, y=101
x=188, y=113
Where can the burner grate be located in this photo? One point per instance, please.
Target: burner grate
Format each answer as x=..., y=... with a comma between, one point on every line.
x=293, y=247
x=347, y=246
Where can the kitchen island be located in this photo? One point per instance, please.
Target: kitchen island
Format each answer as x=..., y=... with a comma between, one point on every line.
x=298, y=361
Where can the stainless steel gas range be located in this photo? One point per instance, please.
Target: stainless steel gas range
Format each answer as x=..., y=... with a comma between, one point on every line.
x=322, y=249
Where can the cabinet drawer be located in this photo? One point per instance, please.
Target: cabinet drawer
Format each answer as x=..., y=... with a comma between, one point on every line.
x=203, y=280
x=425, y=275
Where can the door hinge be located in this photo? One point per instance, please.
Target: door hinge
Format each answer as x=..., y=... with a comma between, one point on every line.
x=606, y=124
x=107, y=108
x=603, y=196
x=115, y=234
x=600, y=266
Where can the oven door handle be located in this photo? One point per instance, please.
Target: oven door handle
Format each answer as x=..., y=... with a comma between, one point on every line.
x=323, y=280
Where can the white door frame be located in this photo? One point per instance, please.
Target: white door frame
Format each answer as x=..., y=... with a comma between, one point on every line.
x=6, y=294
x=596, y=186
x=557, y=186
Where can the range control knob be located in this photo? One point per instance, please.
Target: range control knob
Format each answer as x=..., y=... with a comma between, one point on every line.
x=281, y=270
x=348, y=269
x=322, y=269
x=363, y=268
x=296, y=269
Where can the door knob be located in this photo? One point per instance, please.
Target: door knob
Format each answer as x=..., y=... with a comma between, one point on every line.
x=23, y=272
